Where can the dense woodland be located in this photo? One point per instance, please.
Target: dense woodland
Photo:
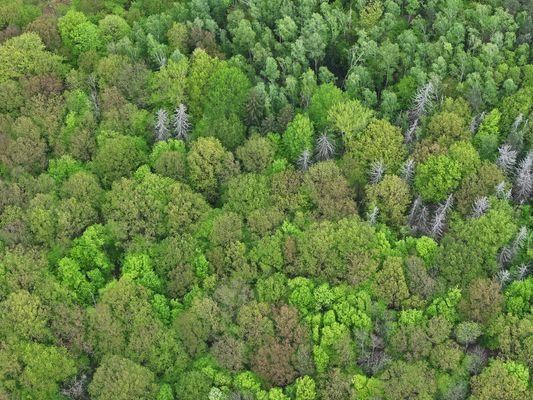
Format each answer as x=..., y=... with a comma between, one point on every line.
x=266, y=199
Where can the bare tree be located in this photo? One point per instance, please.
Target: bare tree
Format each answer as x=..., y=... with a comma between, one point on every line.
x=408, y=170
x=377, y=170
x=476, y=121
x=480, y=207
x=423, y=101
x=508, y=253
x=524, y=179
x=419, y=217
x=161, y=126
x=372, y=216
x=439, y=220
x=181, y=123
x=77, y=388
x=410, y=133
x=506, y=158
x=502, y=192
x=305, y=160
x=325, y=148
x=516, y=135
x=522, y=271
x=95, y=101
x=503, y=277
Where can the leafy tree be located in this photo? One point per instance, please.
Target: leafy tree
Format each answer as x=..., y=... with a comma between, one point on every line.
x=210, y=166
x=380, y=141
x=26, y=55
x=390, y=282
x=409, y=381
x=78, y=33
x=32, y=369
x=118, y=156
x=392, y=197
x=329, y=191
x=256, y=154
x=512, y=378
x=437, y=177
x=120, y=378
x=324, y=99
x=298, y=137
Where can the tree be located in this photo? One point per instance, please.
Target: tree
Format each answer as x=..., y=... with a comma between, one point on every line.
x=30, y=369
x=349, y=118
x=329, y=191
x=482, y=301
x=512, y=378
x=224, y=106
x=380, y=141
x=26, y=55
x=168, y=84
x=437, y=177
x=298, y=137
x=24, y=316
x=210, y=166
x=409, y=381
x=180, y=123
x=256, y=154
x=390, y=282
x=324, y=98
x=121, y=379
x=392, y=197
x=78, y=33
x=118, y=156
x=470, y=248
x=161, y=126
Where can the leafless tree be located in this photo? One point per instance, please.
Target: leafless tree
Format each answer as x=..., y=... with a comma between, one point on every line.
x=423, y=101
x=439, y=220
x=522, y=271
x=524, y=179
x=377, y=170
x=161, y=126
x=503, y=277
x=181, y=123
x=480, y=206
x=509, y=252
x=506, y=158
x=325, y=148
x=76, y=389
x=372, y=216
x=476, y=121
x=305, y=160
x=408, y=170
x=502, y=192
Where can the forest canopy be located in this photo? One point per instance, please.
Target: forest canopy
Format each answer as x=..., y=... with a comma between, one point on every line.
x=266, y=199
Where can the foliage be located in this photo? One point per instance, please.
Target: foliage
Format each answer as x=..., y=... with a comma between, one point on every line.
x=268, y=200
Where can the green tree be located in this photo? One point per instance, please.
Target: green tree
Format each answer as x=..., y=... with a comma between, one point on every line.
x=120, y=378
x=512, y=379
x=26, y=55
x=298, y=137
x=324, y=99
x=210, y=166
x=118, y=156
x=437, y=177
x=391, y=196
x=390, y=282
x=380, y=141
x=78, y=33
